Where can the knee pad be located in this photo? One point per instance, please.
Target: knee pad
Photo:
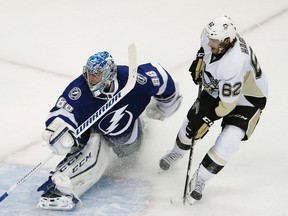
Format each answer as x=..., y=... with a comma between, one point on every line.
x=228, y=142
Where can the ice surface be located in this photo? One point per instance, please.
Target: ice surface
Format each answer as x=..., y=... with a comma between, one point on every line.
x=43, y=46
x=110, y=196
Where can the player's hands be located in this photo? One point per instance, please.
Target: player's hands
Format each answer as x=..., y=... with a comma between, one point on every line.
x=154, y=112
x=198, y=127
x=198, y=122
x=160, y=110
x=59, y=135
x=197, y=66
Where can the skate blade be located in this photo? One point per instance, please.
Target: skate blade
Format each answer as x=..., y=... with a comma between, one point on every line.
x=160, y=171
x=179, y=201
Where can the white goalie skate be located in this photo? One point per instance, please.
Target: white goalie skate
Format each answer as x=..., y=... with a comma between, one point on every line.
x=57, y=201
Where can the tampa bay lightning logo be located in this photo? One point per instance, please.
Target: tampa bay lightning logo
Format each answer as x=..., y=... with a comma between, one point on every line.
x=141, y=79
x=116, y=122
x=75, y=93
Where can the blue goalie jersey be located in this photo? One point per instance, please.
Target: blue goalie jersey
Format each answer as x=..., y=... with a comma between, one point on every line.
x=77, y=102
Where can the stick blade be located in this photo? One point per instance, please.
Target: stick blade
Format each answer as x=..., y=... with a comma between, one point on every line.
x=176, y=200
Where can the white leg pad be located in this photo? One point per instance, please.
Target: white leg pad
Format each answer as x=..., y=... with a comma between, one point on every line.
x=83, y=170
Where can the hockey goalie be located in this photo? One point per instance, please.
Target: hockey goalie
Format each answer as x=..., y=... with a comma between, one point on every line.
x=117, y=133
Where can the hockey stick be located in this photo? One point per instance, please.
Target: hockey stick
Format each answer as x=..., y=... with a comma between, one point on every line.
x=191, y=152
x=132, y=56
x=6, y=194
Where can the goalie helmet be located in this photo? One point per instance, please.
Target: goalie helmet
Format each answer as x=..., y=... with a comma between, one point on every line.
x=220, y=29
x=99, y=72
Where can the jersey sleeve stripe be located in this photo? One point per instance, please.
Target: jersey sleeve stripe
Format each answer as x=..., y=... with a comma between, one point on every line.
x=164, y=76
x=65, y=113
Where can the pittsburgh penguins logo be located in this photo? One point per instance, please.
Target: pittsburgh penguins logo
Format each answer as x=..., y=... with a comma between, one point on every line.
x=116, y=122
x=210, y=83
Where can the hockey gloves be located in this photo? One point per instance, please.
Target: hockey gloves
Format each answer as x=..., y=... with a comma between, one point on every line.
x=59, y=135
x=160, y=107
x=199, y=127
x=200, y=119
x=197, y=66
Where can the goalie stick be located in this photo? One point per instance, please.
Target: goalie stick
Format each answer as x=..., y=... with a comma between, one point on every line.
x=6, y=194
x=132, y=57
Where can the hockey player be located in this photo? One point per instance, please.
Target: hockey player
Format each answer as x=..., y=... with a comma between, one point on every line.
x=118, y=132
x=235, y=90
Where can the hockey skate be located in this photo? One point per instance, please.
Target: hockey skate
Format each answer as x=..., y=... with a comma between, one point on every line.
x=196, y=187
x=169, y=160
x=55, y=200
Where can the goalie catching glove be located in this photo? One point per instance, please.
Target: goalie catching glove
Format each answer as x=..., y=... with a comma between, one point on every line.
x=197, y=66
x=59, y=135
x=160, y=108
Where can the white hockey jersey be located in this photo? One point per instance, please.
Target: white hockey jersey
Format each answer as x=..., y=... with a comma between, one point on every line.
x=235, y=78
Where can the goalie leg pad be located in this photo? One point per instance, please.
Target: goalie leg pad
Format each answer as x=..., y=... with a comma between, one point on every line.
x=77, y=174
x=83, y=170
